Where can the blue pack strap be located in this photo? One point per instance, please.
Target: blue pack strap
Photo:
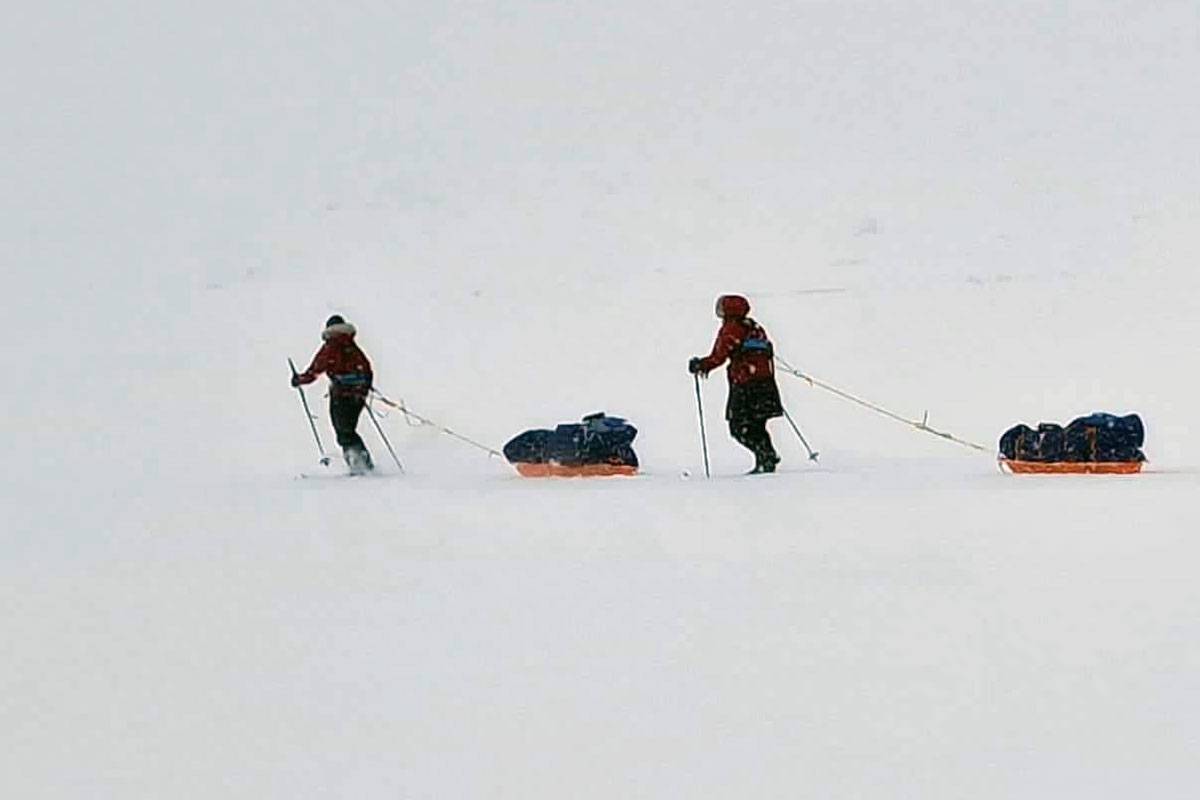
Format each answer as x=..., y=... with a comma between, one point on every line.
x=757, y=346
x=351, y=380
x=756, y=341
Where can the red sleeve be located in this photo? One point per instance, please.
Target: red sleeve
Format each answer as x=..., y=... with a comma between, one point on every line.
x=729, y=338
x=320, y=363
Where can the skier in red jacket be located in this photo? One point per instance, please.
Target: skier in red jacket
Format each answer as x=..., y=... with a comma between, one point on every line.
x=350, y=379
x=753, y=393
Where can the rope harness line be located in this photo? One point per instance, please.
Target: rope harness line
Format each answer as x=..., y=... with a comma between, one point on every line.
x=410, y=415
x=921, y=425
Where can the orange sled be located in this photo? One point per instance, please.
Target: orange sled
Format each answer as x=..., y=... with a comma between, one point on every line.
x=1071, y=467
x=580, y=471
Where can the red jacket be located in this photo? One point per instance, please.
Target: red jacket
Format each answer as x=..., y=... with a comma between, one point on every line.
x=348, y=367
x=744, y=343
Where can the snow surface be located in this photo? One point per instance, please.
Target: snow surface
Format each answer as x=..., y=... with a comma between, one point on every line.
x=985, y=210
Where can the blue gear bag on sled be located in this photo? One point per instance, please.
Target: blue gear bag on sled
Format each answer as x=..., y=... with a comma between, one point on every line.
x=600, y=445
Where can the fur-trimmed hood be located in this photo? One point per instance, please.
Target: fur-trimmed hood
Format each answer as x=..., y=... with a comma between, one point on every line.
x=339, y=329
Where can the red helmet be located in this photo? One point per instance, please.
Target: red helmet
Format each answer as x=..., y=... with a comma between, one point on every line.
x=732, y=306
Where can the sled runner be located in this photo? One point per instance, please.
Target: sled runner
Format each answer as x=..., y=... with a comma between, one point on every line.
x=552, y=470
x=600, y=446
x=1070, y=467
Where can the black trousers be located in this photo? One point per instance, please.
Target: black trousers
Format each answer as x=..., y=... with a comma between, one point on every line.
x=344, y=411
x=750, y=406
x=752, y=435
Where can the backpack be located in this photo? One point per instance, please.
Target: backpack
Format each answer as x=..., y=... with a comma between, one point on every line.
x=756, y=341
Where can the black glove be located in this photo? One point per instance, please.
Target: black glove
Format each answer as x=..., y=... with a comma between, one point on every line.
x=296, y=382
x=694, y=365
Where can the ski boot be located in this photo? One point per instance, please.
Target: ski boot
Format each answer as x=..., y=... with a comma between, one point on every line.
x=358, y=460
x=764, y=463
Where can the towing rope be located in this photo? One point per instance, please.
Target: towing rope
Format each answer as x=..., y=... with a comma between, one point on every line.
x=411, y=415
x=921, y=425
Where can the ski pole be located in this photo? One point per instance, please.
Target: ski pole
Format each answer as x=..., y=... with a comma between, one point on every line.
x=308, y=415
x=383, y=436
x=812, y=454
x=703, y=435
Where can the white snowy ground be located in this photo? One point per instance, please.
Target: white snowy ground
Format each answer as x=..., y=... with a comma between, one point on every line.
x=987, y=211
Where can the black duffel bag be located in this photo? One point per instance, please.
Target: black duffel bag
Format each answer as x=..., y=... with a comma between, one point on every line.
x=1098, y=437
